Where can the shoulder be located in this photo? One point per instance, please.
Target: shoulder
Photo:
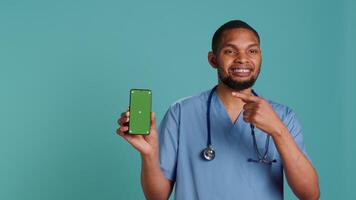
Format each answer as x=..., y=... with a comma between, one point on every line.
x=288, y=117
x=282, y=110
x=186, y=107
x=190, y=102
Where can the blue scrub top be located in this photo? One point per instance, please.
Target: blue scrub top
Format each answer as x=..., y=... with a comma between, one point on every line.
x=183, y=136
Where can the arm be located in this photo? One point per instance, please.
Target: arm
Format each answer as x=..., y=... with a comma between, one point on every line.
x=154, y=184
x=300, y=173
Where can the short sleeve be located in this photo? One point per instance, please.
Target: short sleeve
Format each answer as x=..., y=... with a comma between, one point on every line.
x=168, y=142
x=294, y=127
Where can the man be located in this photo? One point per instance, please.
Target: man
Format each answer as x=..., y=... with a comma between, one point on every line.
x=247, y=165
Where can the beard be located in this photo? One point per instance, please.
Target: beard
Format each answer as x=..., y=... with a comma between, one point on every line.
x=236, y=85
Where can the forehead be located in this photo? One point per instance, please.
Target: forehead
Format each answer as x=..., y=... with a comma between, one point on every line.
x=239, y=37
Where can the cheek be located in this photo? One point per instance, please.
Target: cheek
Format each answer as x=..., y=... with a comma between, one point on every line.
x=225, y=61
x=257, y=62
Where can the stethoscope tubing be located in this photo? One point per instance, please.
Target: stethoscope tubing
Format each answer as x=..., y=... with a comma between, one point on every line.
x=209, y=153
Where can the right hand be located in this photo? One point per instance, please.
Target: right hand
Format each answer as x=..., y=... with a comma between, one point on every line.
x=145, y=144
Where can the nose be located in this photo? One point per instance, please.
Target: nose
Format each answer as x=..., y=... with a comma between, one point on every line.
x=241, y=58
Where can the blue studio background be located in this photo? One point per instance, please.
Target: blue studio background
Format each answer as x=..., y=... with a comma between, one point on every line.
x=66, y=68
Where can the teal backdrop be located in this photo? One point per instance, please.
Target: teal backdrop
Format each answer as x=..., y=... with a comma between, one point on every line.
x=66, y=68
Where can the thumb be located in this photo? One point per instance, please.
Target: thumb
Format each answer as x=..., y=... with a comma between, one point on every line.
x=152, y=137
x=153, y=121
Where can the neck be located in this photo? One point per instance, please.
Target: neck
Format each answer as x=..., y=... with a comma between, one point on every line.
x=230, y=102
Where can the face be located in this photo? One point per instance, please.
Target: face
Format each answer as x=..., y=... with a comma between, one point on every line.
x=238, y=58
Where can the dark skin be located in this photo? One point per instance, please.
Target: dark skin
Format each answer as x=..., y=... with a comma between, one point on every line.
x=239, y=49
x=242, y=51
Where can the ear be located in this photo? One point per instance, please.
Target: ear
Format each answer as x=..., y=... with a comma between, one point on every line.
x=212, y=59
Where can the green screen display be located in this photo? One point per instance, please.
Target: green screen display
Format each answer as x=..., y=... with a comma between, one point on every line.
x=140, y=111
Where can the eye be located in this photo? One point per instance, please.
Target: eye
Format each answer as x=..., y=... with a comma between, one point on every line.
x=253, y=51
x=229, y=51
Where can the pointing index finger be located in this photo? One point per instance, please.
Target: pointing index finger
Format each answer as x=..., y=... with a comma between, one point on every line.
x=244, y=97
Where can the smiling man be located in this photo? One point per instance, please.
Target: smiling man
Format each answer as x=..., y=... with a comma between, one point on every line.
x=248, y=141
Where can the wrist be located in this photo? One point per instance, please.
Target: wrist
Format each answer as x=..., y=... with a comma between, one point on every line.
x=280, y=131
x=150, y=157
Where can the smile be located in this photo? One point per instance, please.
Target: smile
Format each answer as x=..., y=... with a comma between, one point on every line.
x=240, y=71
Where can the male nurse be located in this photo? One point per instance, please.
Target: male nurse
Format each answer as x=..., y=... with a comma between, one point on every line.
x=255, y=140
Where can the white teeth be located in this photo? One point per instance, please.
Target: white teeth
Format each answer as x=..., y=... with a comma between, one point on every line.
x=241, y=70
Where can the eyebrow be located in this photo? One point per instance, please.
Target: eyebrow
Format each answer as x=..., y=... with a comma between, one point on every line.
x=236, y=47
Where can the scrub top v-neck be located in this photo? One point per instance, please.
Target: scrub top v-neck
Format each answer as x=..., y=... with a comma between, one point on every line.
x=183, y=135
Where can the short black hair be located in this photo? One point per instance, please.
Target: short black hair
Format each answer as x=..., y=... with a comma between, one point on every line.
x=227, y=26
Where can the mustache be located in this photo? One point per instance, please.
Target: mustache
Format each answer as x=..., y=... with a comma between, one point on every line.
x=237, y=85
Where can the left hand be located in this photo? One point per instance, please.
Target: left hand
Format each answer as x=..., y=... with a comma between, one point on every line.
x=260, y=113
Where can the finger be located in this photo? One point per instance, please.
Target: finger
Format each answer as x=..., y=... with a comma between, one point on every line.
x=250, y=106
x=135, y=140
x=249, y=111
x=153, y=120
x=122, y=130
x=247, y=119
x=248, y=115
x=244, y=97
x=125, y=114
x=119, y=132
x=127, y=137
x=123, y=121
x=153, y=131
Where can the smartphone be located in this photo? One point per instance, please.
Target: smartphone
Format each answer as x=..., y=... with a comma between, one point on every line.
x=140, y=111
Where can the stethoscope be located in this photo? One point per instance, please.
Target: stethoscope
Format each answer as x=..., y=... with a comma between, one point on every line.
x=209, y=153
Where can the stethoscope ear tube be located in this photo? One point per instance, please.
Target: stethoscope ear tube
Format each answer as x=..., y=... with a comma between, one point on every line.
x=260, y=158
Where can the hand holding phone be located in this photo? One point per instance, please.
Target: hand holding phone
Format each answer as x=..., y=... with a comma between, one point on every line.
x=138, y=138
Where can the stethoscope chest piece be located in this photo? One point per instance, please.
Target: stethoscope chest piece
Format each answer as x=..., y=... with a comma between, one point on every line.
x=208, y=153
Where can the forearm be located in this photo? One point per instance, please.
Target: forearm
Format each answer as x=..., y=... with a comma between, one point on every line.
x=300, y=173
x=154, y=183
